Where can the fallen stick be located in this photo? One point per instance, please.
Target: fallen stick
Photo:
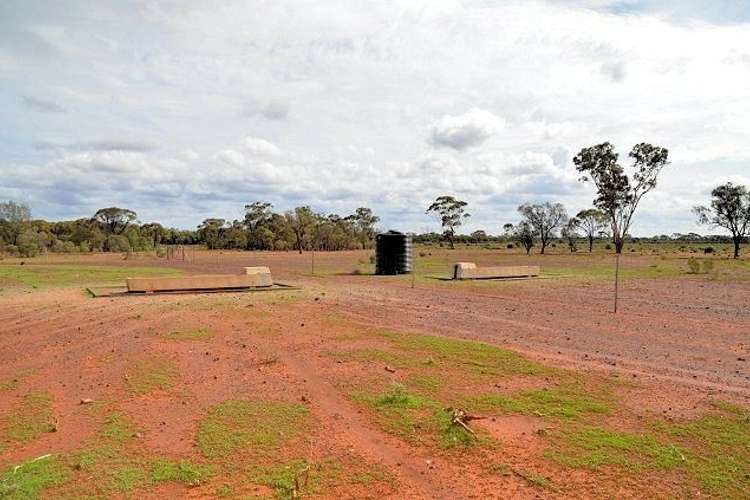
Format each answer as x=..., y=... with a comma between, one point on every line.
x=461, y=418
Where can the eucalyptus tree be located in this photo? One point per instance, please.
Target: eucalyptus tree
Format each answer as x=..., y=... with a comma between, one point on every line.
x=619, y=195
x=451, y=212
x=544, y=219
x=592, y=222
x=730, y=209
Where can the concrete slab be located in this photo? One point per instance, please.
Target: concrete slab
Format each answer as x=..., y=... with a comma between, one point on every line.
x=122, y=291
x=469, y=270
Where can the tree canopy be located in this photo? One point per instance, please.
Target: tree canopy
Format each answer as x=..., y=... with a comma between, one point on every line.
x=115, y=220
x=730, y=209
x=618, y=195
x=451, y=212
x=544, y=219
x=593, y=223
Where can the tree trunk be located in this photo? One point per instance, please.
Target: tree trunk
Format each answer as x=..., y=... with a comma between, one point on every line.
x=619, y=244
x=450, y=240
x=736, y=247
x=544, y=246
x=591, y=244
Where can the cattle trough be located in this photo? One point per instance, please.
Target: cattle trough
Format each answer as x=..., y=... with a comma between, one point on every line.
x=252, y=279
x=470, y=271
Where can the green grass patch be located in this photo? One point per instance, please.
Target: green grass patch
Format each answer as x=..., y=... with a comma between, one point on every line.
x=564, y=402
x=428, y=383
x=129, y=477
x=29, y=420
x=113, y=464
x=43, y=275
x=416, y=419
x=371, y=355
x=189, y=335
x=718, y=450
x=183, y=471
x=29, y=479
x=714, y=450
x=151, y=374
x=108, y=460
x=594, y=447
x=535, y=479
x=260, y=425
x=296, y=478
x=117, y=428
x=476, y=357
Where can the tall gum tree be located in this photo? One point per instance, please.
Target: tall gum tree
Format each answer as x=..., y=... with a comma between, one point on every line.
x=451, y=212
x=618, y=196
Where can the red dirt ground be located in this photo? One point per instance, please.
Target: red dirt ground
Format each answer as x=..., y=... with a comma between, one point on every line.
x=683, y=340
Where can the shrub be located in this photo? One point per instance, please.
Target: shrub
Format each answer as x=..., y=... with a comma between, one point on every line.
x=57, y=247
x=84, y=247
x=708, y=266
x=708, y=250
x=28, y=250
x=118, y=243
x=608, y=247
x=509, y=245
x=694, y=265
x=29, y=243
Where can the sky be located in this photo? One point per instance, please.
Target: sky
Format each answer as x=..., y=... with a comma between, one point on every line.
x=183, y=110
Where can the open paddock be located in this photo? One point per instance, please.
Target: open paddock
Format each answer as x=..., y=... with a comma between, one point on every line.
x=341, y=388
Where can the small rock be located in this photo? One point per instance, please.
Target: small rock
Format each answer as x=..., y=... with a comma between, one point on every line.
x=87, y=401
x=390, y=369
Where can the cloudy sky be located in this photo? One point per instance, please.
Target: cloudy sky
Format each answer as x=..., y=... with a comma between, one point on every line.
x=183, y=109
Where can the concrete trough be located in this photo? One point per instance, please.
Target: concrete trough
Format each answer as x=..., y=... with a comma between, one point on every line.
x=470, y=271
x=252, y=277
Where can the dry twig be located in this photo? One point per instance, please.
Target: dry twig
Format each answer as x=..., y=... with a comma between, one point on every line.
x=462, y=418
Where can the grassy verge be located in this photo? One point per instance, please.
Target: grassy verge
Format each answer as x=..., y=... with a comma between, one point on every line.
x=41, y=275
x=29, y=479
x=28, y=420
x=241, y=425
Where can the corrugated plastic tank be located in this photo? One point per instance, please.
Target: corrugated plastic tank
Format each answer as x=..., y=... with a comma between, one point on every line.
x=393, y=253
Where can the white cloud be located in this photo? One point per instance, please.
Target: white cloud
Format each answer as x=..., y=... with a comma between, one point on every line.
x=260, y=147
x=231, y=157
x=465, y=131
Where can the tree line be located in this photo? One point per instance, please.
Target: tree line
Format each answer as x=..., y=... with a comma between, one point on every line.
x=115, y=229
x=618, y=195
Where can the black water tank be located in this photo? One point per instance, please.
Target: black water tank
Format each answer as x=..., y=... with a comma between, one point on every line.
x=393, y=253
